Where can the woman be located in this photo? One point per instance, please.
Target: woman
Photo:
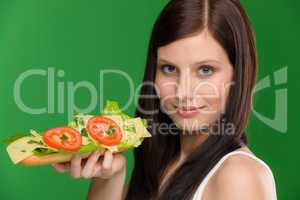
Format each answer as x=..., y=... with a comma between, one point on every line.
x=202, y=63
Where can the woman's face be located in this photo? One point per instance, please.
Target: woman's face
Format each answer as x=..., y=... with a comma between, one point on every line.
x=193, y=80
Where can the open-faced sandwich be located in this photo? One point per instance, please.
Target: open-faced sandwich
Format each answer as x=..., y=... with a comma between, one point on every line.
x=111, y=130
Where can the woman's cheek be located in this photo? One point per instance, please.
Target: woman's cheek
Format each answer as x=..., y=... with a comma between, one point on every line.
x=214, y=95
x=166, y=87
x=166, y=93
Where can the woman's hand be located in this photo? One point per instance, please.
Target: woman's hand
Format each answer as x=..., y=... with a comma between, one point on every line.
x=95, y=165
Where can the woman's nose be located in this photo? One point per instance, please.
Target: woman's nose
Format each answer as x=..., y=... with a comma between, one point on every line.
x=185, y=87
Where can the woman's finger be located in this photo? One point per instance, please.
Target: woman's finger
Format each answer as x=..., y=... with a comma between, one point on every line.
x=106, y=170
x=120, y=162
x=61, y=167
x=75, y=169
x=87, y=170
x=97, y=169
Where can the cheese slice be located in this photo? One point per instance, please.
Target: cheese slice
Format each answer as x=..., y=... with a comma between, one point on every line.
x=139, y=127
x=21, y=149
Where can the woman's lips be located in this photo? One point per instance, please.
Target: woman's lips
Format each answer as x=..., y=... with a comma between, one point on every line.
x=188, y=112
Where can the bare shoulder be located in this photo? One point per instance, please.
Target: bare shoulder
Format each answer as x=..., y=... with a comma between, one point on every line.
x=241, y=177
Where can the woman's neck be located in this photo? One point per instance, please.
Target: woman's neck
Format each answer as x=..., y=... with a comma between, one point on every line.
x=189, y=142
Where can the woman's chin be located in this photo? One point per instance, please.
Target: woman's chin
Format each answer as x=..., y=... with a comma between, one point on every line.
x=191, y=126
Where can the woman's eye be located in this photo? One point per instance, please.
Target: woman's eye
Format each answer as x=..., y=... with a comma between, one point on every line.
x=206, y=70
x=168, y=69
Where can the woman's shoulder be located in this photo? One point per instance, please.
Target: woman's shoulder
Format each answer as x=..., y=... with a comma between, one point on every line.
x=242, y=176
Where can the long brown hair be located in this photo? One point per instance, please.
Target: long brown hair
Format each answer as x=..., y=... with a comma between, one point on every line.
x=227, y=21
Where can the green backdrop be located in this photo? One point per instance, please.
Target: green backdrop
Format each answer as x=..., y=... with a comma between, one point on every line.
x=82, y=37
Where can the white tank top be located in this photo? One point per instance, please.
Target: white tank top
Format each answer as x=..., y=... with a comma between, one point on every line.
x=199, y=192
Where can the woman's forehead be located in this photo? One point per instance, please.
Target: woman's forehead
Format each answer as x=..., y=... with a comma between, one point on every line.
x=193, y=49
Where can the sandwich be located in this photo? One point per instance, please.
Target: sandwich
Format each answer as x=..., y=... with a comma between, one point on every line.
x=111, y=130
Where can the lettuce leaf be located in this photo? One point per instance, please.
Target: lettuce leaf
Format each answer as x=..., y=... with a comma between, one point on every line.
x=83, y=149
x=145, y=123
x=43, y=151
x=112, y=108
x=88, y=148
x=73, y=124
x=130, y=138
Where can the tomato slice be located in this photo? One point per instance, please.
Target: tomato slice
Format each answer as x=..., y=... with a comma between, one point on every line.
x=63, y=138
x=104, y=130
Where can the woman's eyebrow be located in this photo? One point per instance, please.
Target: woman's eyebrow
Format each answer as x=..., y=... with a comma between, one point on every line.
x=207, y=61
x=162, y=60
x=210, y=60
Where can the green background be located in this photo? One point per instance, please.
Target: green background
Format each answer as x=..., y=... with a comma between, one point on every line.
x=82, y=37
